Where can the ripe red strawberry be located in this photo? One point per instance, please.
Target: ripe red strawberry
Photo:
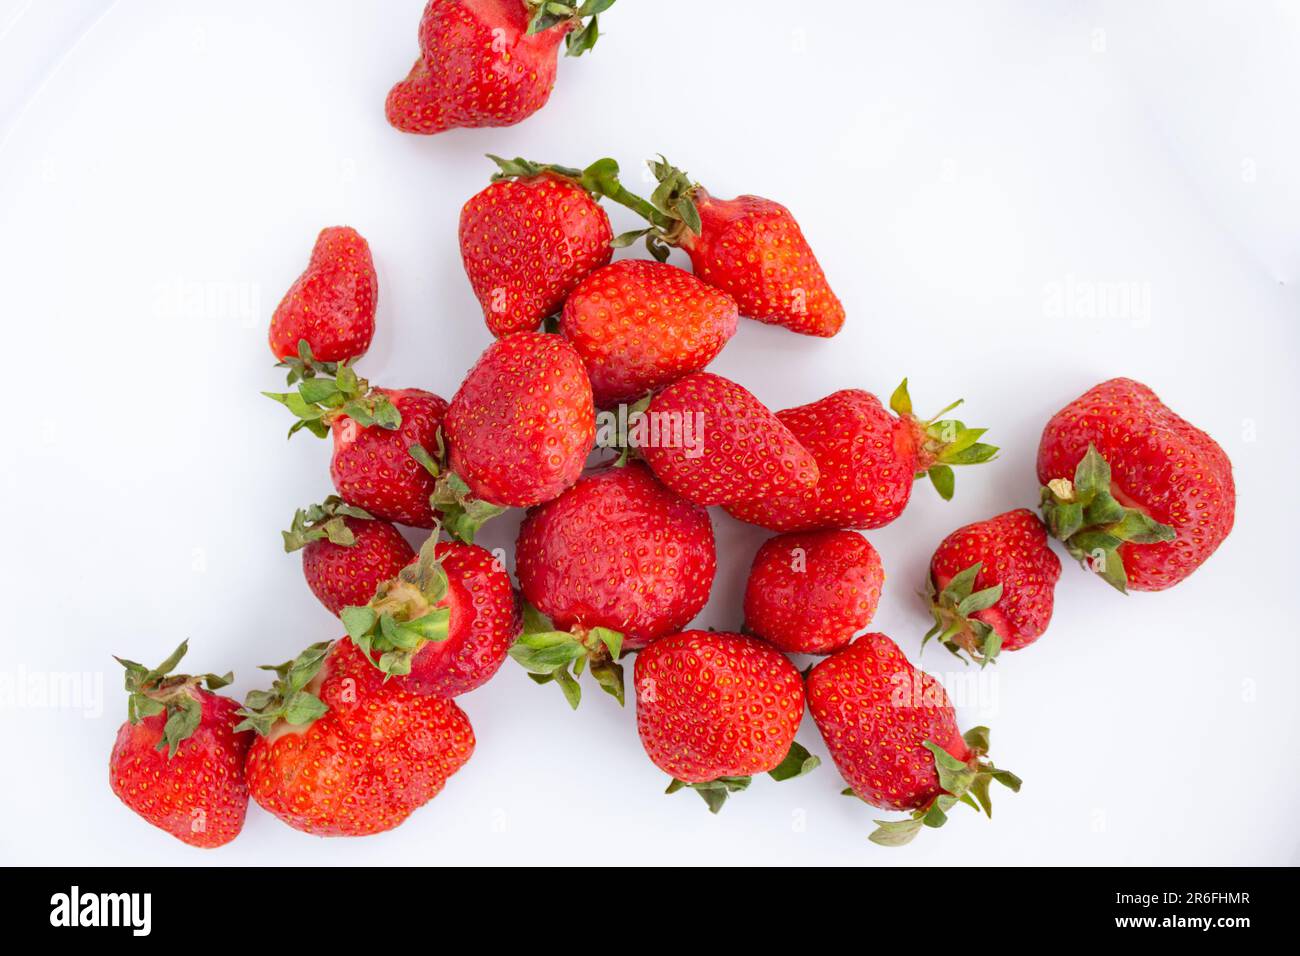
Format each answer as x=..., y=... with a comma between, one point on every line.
x=810, y=593
x=346, y=553
x=730, y=447
x=527, y=240
x=749, y=247
x=487, y=62
x=331, y=306
x=893, y=735
x=178, y=761
x=443, y=625
x=868, y=460
x=342, y=752
x=990, y=586
x=714, y=708
x=1152, y=496
x=381, y=461
x=640, y=325
x=522, y=424
x=613, y=563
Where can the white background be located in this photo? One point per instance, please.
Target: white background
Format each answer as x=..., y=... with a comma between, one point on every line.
x=968, y=174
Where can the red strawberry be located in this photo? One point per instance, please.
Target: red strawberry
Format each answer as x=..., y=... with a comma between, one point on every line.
x=487, y=62
x=640, y=325
x=615, y=562
x=867, y=459
x=522, y=424
x=342, y=752
x=893, y=735
x=714, y=708
x=527, y=240
x=381, y=461
x=178, y=761
x=990, y=585
x=332, y=305
x=346, y=553
x=810, y=593
x=1152, y=496
x=730, y=447
x=443, y=625
x=749, y=247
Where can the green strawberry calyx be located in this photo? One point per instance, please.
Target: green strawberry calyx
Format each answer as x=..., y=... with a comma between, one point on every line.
x=1085, y=515
x=328, y=391
x=941, y=443
x=406, y=613
x=462, y=514
x=290, y=697
x=553, y=656
x=955, y=625
x=323, y=522
x=549, y=14
x=154, y=691
x=962, y=782
x=796, y=763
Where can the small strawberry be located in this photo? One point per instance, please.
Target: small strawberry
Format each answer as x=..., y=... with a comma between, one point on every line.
x=178, y=761
x=640, y=325
x=488, y=62
x=331, y=306
x=381, y=461
x=749, y=247
x=893, y=735
x=990, y=586
x=714, y=708
x=613, y=563
x=731, y=447
x=343, y=752
x=868, y=460
x=522, y=423
x=346, y=553
x=810, y=593
x=527, y=240
x=1152, y=496
x=444, y=624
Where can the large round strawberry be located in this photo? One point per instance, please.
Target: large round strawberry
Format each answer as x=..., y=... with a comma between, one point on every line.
x=613, y=563
x=344, y=752
x=1138, y=494
x=331, y=306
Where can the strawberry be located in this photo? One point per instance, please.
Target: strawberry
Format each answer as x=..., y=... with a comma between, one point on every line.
x=488, y=62
x=613, y=563
x=731, y=447
x=444, y=624
x=346, y=553
x=867, y=459
x=331, y=306
x=810, y=593
x=714, y=708
x=342, y=752
x=893, y=736
x=1138, y=495
x=381, y=461
x=522, y=423
x=640, y=325
x=178, y=761
x=990, y=586
x=527, y=240
x=749, y=247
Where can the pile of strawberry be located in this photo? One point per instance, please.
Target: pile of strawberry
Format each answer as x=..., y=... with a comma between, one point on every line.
x=616, y=554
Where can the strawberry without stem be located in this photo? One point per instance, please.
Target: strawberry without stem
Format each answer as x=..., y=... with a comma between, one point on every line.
x=177, y=760
x=990, y=586
x=893, y=735
x=714, y=708
x=868, y=460
x=331, y=306
x=1137, y=493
